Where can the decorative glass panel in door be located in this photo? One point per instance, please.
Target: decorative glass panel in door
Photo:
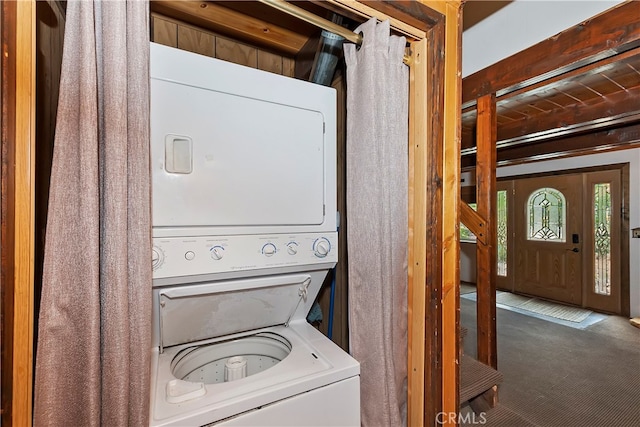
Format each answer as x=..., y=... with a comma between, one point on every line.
x=546, y=217
x=602, y=238
x=502, y=230
x=603, y=249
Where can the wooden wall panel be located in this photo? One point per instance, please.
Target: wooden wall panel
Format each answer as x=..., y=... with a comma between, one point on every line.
x=196, y=41
x=164, y=32
x=270, y=62
x=288, y=66
x=235, y=52
x=174, y=33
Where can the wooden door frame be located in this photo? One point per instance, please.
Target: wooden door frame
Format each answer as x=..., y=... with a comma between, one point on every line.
x=434, y=175
x=18, y=142
x=433, y=306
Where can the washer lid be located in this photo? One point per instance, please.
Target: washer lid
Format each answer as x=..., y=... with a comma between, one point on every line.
x=198, y=312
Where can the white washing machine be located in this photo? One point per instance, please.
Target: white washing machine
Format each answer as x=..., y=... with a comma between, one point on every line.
x=244, y=233
x=239, y=351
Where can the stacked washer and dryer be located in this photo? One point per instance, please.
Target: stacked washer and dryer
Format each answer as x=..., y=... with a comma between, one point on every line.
x=244, y=233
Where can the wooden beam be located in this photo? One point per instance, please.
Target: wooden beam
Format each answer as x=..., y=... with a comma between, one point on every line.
x=611, y=139
x=432, y=257
x=603, y=65
x=24, y=213
x=618, y=138
x=7, y=243
x=433, y=308
x=425, y=292
x=616, y=109
x=486, y=254
x=570, y=78
x=474, y=222
x=355, y=9
x=418, y=371
x=604, y=35
x=215, y=17
x=410, y=12
x=450, y=214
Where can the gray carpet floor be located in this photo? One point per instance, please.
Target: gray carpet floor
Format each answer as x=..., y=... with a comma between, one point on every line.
x=555, y=375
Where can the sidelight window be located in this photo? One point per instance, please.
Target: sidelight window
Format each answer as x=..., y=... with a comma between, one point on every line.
x=501, y=228
x=602, y=238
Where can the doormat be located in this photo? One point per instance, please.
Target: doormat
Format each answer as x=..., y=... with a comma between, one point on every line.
x=558, y=313
x=571, y=314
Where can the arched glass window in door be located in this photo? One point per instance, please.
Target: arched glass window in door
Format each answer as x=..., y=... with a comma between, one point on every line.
x=546, y=208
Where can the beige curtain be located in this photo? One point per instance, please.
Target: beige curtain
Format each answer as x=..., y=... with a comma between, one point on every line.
x=377, y=169
x=92, y=363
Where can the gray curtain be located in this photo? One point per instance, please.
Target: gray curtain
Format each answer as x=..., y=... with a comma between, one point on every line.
x=377, y=170
x=92, y=362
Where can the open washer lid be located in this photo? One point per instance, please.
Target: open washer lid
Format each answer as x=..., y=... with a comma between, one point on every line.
x=191, y=313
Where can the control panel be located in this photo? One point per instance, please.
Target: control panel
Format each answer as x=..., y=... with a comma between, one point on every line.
x=185, y=256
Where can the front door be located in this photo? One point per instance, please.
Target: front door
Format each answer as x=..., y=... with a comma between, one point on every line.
x=548, y=220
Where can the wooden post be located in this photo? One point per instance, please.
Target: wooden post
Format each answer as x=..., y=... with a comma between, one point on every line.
x=24, y=214
x=486, y=198
x=450, y=215
x=419, y=374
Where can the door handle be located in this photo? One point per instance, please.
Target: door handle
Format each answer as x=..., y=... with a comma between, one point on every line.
x=574, y=250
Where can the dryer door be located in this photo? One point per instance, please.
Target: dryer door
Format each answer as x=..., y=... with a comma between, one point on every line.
x=225, y=156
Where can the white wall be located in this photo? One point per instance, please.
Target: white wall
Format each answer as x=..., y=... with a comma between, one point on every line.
x=467, y=264
x=519, y=25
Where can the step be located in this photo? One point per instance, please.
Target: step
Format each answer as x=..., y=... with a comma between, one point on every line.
x=499, y=416
x=476, y=378
x=463, y=333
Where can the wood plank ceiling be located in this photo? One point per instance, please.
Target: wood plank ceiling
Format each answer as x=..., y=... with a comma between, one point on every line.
x=605, y=95
x=562, y=96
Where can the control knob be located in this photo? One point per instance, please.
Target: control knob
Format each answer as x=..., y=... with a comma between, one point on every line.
x=292, y=248
x=269, y=249
x=321, y=247
x=157, y=257
x=217, y=252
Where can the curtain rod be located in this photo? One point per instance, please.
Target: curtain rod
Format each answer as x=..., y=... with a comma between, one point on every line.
x=325, y=24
